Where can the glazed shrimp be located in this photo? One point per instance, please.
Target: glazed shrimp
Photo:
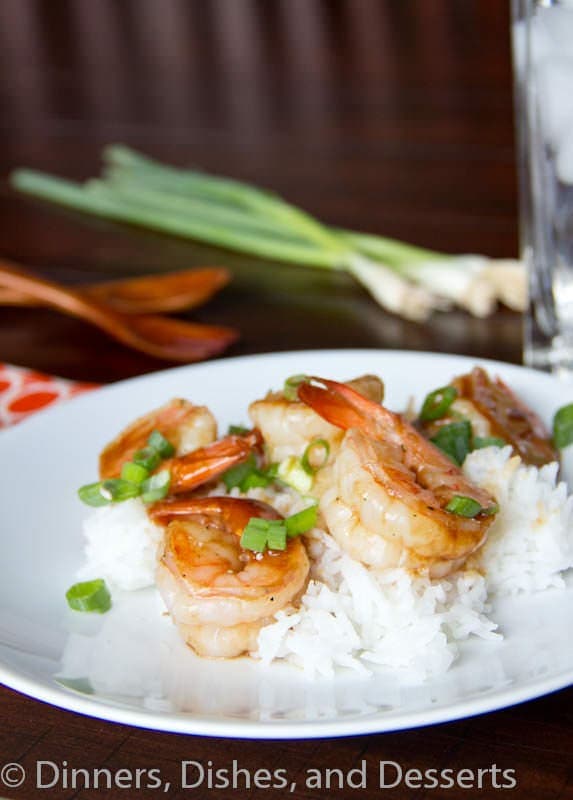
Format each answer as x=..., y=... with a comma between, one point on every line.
x=494, y=410
x=183, y=424
x=389, y=488
x=187, y=427
x=218, y=594
x=288, y=426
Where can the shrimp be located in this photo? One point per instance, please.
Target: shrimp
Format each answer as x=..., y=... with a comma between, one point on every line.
x=389, y=488
x=288, y=426
x=218, y=594
x=494, y=410
x=192, y=430
x=183, y=424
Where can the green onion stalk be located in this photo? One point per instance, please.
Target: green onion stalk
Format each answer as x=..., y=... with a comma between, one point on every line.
x=406, y=280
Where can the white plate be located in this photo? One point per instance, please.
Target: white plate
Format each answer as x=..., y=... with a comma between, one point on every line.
x=46, y=458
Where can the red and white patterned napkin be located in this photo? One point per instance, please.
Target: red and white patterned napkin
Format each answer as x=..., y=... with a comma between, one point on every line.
x=25, y=391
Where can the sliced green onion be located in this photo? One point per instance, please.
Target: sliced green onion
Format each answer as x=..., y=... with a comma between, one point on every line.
x=292, y=472
x=134, y=473
x=259, y=533
x=480, y=442
x=237, y=430
x=277, y=539
x=315, y=456
x=437, y=403
x=148, y=458
x=290, y=388
x=260, y=523
x=454, y=440
x=272, y=471
x=235, y=475
x=253, y=480
x=91, y=495
x=245, y=475
x=117, y=490
x=159, y=443
x=91, y=596
x=301, y=522
x=254, y=536
x=563, y=427
x=464, y=506
x=156, y=487
x=277, y=535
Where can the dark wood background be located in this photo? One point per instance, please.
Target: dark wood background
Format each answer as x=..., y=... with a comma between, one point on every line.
x=390, y=116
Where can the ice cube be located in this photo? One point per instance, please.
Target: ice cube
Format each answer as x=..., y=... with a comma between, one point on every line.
x=555, y=97
x=564, y=161
x=553, y=29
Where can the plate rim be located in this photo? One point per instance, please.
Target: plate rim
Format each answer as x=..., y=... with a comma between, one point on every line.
x=178, y=722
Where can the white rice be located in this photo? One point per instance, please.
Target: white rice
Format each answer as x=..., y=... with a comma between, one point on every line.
x=530, y=544
x=121, y=546
x=353, y=617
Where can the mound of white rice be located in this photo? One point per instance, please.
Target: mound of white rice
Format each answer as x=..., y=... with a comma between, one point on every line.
x=530, y=544
x=351, y=616
x=121, y=546
x=354, y=617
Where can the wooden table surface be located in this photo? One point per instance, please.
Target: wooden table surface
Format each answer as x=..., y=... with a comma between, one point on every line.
x=391, y=117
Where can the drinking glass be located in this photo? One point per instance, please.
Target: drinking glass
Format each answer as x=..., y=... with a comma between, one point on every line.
x=543, y=62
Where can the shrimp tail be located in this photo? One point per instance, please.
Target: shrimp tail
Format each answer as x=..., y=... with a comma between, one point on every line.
x=202, y=465
x=343, y=406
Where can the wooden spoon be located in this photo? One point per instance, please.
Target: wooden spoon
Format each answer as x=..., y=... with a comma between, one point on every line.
x=161, y=337
x=149, y=294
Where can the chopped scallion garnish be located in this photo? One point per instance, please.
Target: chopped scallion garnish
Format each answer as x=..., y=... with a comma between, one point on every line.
x=116, y=490
x=277, y=538
x=136, y=479
x=90, y=596
x=159, y=443
x=237, y=430
x=254, y=536
x=454, y=440
x=437, y=403
x=237, y=474
x=260, y=534
x=148, y=458
x=91, y=495
x=464, y=506
x=272, y=470
x=134, y=473
x=254, y=479
x=563, y=427
x=301, y=522
x=315, y=456
x=247, y=475
x=292, y=472
x=156, y=487
x=479, y=442
x=290, y=388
